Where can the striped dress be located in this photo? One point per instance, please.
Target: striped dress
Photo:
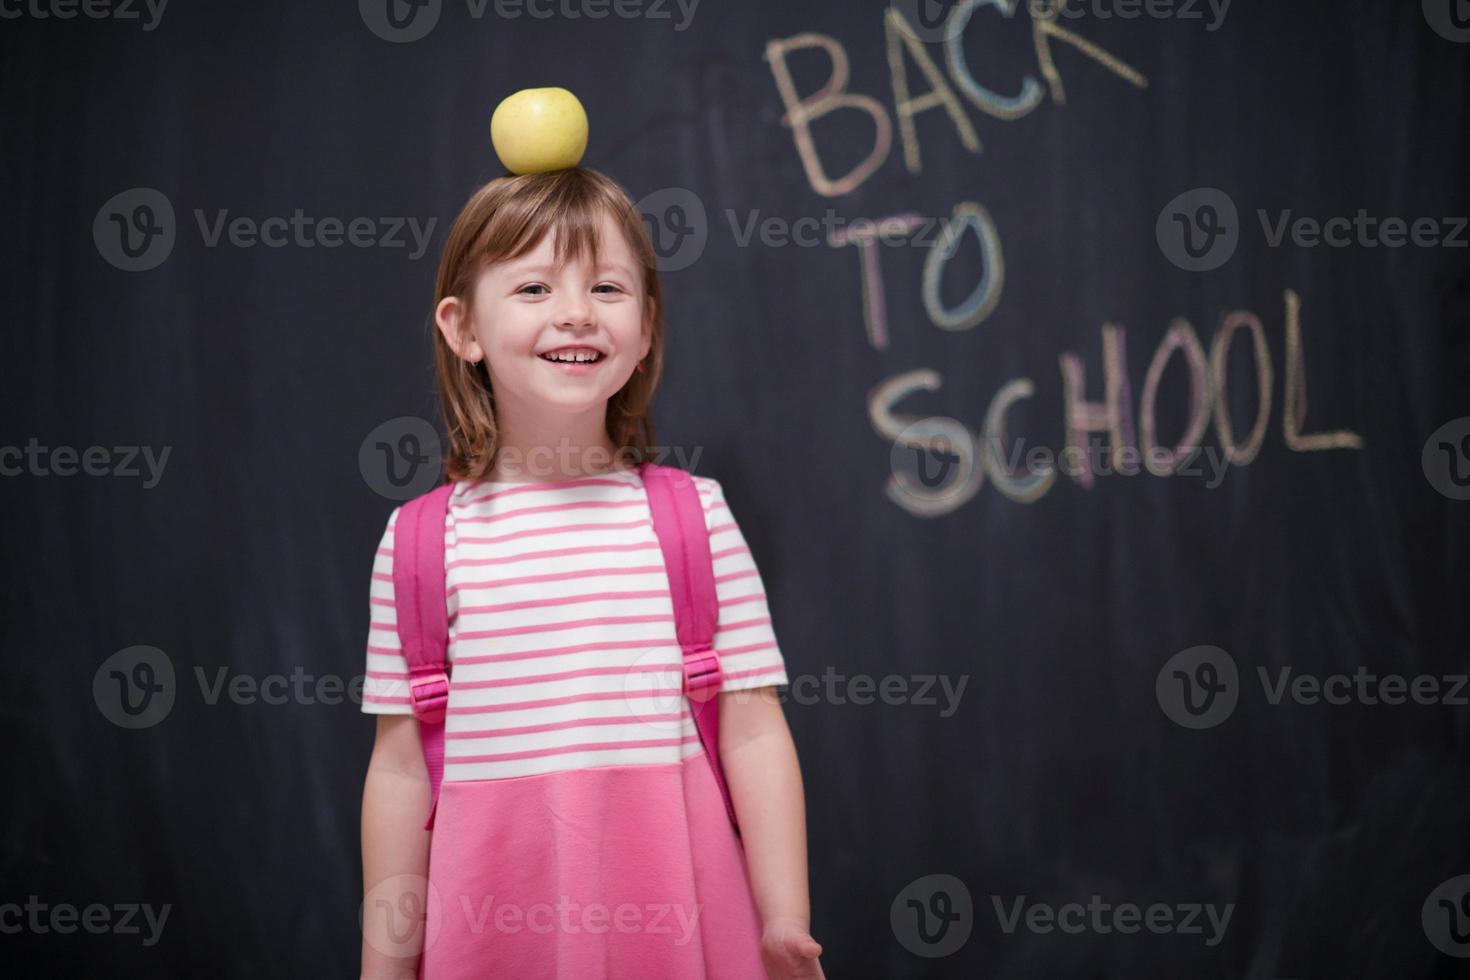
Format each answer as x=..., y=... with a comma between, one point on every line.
x=580, y=831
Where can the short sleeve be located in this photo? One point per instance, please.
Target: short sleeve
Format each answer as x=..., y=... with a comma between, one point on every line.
x=385, y=684
x=745, y=638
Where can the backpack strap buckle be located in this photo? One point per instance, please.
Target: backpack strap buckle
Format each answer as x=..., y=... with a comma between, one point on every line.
x=428, y=693
x=702, y=674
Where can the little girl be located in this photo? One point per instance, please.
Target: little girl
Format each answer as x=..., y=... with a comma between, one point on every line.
x=580, y=832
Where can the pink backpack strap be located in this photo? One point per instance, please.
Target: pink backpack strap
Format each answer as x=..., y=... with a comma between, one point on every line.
x=423, y=622
x=678, y=520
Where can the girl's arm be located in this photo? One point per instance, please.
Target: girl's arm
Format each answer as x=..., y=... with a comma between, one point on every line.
x=395, y=804
x=764, y=779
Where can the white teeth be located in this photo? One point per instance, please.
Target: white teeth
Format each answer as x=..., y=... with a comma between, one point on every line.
x=574, y=357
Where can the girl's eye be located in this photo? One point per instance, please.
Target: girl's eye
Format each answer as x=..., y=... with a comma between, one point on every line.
x=536, y=285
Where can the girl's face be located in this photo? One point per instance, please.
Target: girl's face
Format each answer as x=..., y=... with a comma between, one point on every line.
x=525, y=309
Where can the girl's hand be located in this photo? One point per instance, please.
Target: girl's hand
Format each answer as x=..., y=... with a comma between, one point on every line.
x=789, y=952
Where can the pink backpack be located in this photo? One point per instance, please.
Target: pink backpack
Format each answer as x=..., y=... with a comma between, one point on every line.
x=423, y=619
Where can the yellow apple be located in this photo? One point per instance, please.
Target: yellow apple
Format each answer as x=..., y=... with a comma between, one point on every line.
x=538, y=129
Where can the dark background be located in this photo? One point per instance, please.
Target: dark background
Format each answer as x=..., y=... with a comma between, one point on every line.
x=1059, y=776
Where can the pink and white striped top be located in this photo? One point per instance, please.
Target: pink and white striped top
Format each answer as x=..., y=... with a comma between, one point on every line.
x=561, y=628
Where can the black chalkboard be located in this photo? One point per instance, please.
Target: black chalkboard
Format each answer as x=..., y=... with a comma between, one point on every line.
x=1090, y=383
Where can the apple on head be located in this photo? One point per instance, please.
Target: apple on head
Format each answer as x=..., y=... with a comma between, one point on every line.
x=539, y=129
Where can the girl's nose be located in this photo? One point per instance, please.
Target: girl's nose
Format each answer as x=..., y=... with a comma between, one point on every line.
x=574, y=311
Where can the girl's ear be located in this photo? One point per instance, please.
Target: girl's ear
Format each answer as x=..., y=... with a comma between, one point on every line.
x=450, y=318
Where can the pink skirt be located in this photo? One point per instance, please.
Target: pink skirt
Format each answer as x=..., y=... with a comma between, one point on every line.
x=617, y=872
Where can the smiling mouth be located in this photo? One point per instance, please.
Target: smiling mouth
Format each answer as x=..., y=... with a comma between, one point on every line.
x=580, y=358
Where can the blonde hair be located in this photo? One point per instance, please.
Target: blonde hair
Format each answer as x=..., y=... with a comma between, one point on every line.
x=503, y=220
